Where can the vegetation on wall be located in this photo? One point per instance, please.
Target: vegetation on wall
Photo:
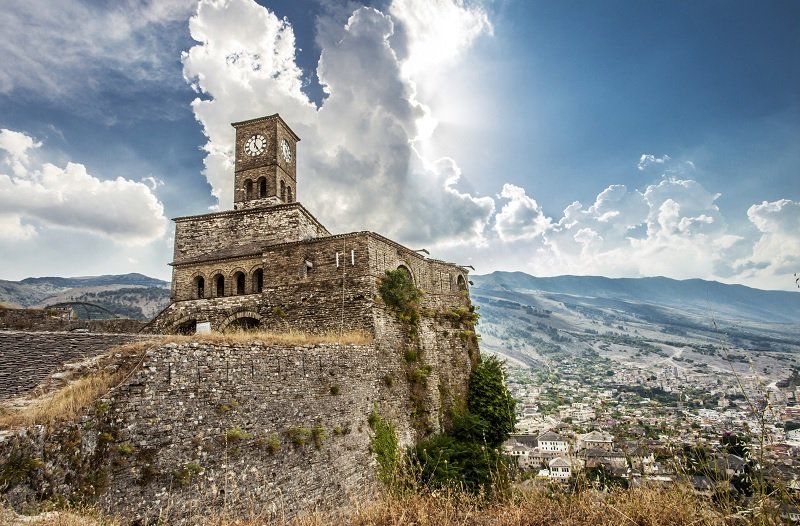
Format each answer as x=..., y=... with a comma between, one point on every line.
x=384, y=446
x=466, y=457
x=398, y=292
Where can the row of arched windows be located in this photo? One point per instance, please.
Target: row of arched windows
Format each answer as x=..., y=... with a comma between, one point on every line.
x=260, y=185
x=238, y=284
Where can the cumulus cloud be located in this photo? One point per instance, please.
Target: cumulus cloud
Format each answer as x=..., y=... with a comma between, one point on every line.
x=521, y=217
x=126, y=44
x=48, y=196
x=778, y=249
x=358, y=167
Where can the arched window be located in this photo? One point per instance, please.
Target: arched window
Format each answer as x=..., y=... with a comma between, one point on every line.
x=239, y=277
x=258, y=280
x=461, y=282
x=248, y=189
x=283, y=191
x=289, y=198
x=199, y=287
x=220, y=285
x=262, y=187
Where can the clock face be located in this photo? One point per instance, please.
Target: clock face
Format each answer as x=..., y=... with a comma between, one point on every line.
x=286, y=151
x=255, y=145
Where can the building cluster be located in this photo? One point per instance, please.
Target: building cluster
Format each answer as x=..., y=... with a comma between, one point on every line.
x=636, y=424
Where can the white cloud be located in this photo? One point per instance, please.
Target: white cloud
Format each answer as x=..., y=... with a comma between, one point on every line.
x=437, y=32
x=776, y=254
x=72, y=50
x=521, y=217
x=12, y=228
x=357, y=164
x=50, y=196
x=648, y=159
x=673, y=228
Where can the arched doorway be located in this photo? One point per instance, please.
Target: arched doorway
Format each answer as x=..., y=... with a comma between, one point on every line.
x=243, y=324
x=219, y=285
x=187, y=327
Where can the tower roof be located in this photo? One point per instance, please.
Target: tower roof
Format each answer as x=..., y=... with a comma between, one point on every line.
x=274, y=116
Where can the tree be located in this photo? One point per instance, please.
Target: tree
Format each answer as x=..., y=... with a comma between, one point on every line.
x=490, y=400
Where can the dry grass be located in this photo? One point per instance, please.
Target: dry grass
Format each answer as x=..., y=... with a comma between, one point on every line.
x=674, y=506
x=86, y=517
x=90, y=381
x=288, y=337
x=62, y=405
x=533, y=507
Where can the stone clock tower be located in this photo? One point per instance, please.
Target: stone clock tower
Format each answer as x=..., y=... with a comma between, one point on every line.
x=266, y=167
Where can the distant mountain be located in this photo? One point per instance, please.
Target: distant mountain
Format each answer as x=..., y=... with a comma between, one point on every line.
x=707, y=298
x=133, y=296
x=641, y=321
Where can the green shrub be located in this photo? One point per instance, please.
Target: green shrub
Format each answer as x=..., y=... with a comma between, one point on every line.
x=411, y=355
x=334, y=390
x=227, y=407
x=298, y=435
x=235, y=434
x=273, y=444
x=125, y=449
x=398, y=292
x=317, y=436
x=186, y=474
x=18, y=467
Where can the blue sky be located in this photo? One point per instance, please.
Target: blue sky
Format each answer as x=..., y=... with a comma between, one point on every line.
x=619, y=138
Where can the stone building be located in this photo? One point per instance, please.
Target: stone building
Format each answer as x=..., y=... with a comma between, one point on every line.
x=270, y=263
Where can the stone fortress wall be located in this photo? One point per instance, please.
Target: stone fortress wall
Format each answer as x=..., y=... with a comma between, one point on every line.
x=194, y=429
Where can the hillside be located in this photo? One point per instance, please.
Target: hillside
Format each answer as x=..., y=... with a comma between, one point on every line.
x=133, y=296
x=532, y=319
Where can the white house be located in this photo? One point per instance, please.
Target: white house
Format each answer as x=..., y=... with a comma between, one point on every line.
x=560, y=469
x=552, y=442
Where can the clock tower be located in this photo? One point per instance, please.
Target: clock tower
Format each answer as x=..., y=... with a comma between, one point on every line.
x=265, y=171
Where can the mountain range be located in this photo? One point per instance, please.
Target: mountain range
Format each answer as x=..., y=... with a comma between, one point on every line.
x=133, y=296
x=639, y=321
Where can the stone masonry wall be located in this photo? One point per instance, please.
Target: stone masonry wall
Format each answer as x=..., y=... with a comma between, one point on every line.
x=203, y=235
x=28, y=358
x=204, y=427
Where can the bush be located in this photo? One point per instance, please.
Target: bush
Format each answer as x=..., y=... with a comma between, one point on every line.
x=445, y=461
x=235, y=434
x=398, y=292
x=298, y=435
x=468, y=455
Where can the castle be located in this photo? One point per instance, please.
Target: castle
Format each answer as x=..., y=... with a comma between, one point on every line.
x=200, y=425
x=269, y=263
